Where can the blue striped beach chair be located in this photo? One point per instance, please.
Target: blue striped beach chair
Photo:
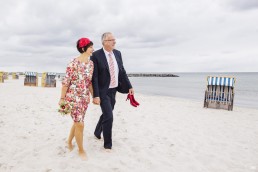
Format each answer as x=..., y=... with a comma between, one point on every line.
x=50, y=79
x=219, y=93
x=31, y=79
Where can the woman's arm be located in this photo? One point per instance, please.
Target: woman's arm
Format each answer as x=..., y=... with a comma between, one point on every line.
x=91, y=90
x=63, y=92
x=66, y=82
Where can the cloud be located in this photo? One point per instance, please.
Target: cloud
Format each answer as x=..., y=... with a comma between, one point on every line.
x=244, y=4
x=167, y=35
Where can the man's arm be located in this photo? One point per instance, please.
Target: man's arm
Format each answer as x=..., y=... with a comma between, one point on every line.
x=95, y=81
x=131, y=90
x=124, y=73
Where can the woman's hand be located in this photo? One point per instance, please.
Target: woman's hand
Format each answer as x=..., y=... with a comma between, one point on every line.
x=61, y=101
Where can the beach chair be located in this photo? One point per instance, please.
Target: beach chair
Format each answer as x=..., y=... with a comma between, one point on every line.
x=48, y=79
x=6, y=75
x=31, y=79
x=15, y=75
x=219, y=93
x=1, y=77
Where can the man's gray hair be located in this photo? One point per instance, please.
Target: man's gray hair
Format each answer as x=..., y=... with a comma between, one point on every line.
x=104, y=36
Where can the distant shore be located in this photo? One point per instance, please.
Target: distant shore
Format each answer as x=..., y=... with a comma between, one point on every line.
x=128, y=74
x=151, y=75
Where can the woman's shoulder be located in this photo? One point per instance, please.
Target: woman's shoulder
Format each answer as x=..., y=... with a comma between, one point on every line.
x=73, y=62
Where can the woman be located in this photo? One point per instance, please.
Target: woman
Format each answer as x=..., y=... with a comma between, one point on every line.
x=75, y=89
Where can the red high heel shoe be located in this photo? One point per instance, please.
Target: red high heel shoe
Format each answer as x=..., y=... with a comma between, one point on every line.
x=135, y=102
x=132, y=100
x=129, y=97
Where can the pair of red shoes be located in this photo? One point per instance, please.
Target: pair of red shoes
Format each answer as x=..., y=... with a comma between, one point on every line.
x=132, y=100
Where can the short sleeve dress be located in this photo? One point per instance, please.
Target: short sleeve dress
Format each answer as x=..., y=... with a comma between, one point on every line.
x=78, y=79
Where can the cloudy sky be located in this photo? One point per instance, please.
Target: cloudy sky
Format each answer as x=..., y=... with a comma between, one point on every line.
x=153, y=36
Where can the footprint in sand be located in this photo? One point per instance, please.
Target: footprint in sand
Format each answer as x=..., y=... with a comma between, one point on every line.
x=116, y=169
x=35, y=152
x=135, y=149
x=123, y=121
x=61, y=151
x=118, y=113
x=5, y=167
x=24, y=137
x=36, y=123
x=123, y=163
x=124, y=139
x=151, y=146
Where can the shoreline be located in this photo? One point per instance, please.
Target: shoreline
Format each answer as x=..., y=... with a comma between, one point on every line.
x=153, y=94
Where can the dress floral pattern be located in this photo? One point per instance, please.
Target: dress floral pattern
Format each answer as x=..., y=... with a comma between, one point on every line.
x=78, y=79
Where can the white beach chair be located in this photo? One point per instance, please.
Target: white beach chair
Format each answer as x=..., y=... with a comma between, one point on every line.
x=48, y=79
x=31, y=79
x=219, y=93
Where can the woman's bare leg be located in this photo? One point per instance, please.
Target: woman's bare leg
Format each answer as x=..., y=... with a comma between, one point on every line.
x=79, y=126
x=70, y=138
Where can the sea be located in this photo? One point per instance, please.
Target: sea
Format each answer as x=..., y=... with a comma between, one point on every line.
x=193, y=85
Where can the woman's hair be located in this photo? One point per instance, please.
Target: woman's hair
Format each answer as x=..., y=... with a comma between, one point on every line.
x=80, y=49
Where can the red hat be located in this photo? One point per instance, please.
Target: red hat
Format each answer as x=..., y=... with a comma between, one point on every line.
x=83, y=42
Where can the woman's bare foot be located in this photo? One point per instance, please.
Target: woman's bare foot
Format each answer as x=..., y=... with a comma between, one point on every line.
x=70, y=146
x=83, y=155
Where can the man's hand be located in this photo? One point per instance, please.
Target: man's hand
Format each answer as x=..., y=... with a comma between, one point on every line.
x=96, y=101
x=131, y=91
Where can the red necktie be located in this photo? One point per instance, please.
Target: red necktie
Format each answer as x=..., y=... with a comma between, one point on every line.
x=112, y=71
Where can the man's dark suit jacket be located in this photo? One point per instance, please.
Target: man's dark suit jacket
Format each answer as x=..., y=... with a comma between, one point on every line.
x=101, y=75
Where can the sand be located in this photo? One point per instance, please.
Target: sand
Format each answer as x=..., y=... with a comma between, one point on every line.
x=163, y=134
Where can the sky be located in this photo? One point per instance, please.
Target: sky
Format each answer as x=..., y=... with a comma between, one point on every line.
x=153, y=36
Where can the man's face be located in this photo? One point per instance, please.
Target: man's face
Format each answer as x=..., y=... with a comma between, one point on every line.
x=109, y=42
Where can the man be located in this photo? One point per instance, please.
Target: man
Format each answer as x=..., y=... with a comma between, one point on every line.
x=109, y=76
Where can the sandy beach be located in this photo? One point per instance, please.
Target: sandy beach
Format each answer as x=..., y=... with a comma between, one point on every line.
x=163, y=134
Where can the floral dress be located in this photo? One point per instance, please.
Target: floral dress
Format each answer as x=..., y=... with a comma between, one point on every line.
x=78, y=79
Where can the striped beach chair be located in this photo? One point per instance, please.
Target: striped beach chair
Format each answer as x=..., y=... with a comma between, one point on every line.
x=6, y=75
x=31, y=79
x=1, y=77
x=48, y=79
x=219, y=93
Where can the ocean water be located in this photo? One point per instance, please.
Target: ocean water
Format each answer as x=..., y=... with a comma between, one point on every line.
x=193, y=85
